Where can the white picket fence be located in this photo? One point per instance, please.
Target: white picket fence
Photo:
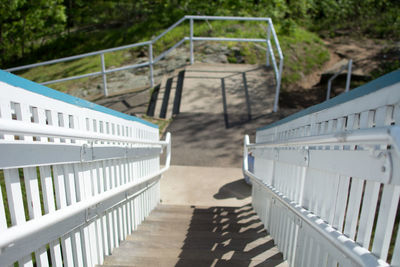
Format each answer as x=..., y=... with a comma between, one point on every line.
x=76, y=178
x=326, y=181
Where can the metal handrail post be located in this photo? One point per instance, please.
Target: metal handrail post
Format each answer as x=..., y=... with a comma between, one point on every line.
x=278, y=86
x=328, y=90
x=348, y=79
x=191, y=42
x=348, y=75
x=268, y=42
x=151, y=65
x=103, y=72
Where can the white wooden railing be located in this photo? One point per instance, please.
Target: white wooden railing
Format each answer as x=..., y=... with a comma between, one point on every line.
x=326, y=181
x=76, y=178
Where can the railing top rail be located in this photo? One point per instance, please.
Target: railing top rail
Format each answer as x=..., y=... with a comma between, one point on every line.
x=64, y=59
x=227, y=18
x=49, y=62
x=17, y=81
x=369, y=136
x=19, y=127
x=373, y=86
x=278, y=47
x=168, y=30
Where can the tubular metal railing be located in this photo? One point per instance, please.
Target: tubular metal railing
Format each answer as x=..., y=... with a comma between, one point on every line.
x=348, y=78
x=151, y=60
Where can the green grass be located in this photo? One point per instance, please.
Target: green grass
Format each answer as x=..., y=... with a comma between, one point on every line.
x=304, y=52
x=162, y=123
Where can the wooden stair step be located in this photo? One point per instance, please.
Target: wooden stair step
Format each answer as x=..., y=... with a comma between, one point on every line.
x=204, y=209
x=183, y=262
x=179, y=227
x=205, y=234
x=128, y=254
x=188, y=242
x=204, y=214
x=176, y=235
x=200, y=218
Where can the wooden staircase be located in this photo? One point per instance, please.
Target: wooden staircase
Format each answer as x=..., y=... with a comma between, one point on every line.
x=198, y=236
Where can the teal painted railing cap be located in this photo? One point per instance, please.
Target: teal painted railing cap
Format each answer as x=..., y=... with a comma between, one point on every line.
x=28, y=85
x=368, y=88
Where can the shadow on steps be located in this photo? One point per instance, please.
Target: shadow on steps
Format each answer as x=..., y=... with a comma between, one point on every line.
x=235, y=237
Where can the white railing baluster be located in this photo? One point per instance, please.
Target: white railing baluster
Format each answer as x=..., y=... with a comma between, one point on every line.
x=3, y=218
x=386, y=218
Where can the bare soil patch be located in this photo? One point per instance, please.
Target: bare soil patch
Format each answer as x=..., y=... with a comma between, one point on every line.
x=367, y=55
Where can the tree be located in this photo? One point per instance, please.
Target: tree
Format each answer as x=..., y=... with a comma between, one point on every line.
x=25, y=24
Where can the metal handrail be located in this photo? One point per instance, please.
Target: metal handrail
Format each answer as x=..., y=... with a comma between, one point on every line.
x=34, y=129
x=347, y=246
x=348, y=66
x=389, y=135
x=104, y=71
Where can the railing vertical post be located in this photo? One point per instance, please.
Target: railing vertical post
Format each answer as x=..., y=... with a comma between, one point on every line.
x=278, y=86
x=348, y=75
x=268, y=42
x=191, y=42
x=328, y=91
x=103, y=71
x=151, y=64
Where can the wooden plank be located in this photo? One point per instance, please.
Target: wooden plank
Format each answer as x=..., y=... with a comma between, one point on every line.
x=47, y=191
x=14, y=196
x=396, y=251
x=22, y=113
x=340, y=203
x=3, y=218
x=5, y=113
x=368, y=213
x=34, y=207
x=386, y=218
x=353, y=207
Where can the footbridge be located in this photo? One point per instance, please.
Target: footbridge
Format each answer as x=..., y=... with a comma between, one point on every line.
x=84, y=185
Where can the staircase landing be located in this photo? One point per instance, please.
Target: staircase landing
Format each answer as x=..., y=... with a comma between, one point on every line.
x=176, y=235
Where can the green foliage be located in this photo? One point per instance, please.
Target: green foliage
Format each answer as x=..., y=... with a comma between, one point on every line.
x=304, y=52
x=26, y=24
x=378, y=18
x=32, y=31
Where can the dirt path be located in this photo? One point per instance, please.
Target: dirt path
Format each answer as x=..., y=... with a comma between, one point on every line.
x=366, y=55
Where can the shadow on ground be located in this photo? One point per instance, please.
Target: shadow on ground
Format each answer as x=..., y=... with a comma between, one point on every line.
x=238, y=189
x=201, y=139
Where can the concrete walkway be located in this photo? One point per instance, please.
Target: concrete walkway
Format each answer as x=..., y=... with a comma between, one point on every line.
x=205, y=186
x=207, y=138
x=206, y=134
